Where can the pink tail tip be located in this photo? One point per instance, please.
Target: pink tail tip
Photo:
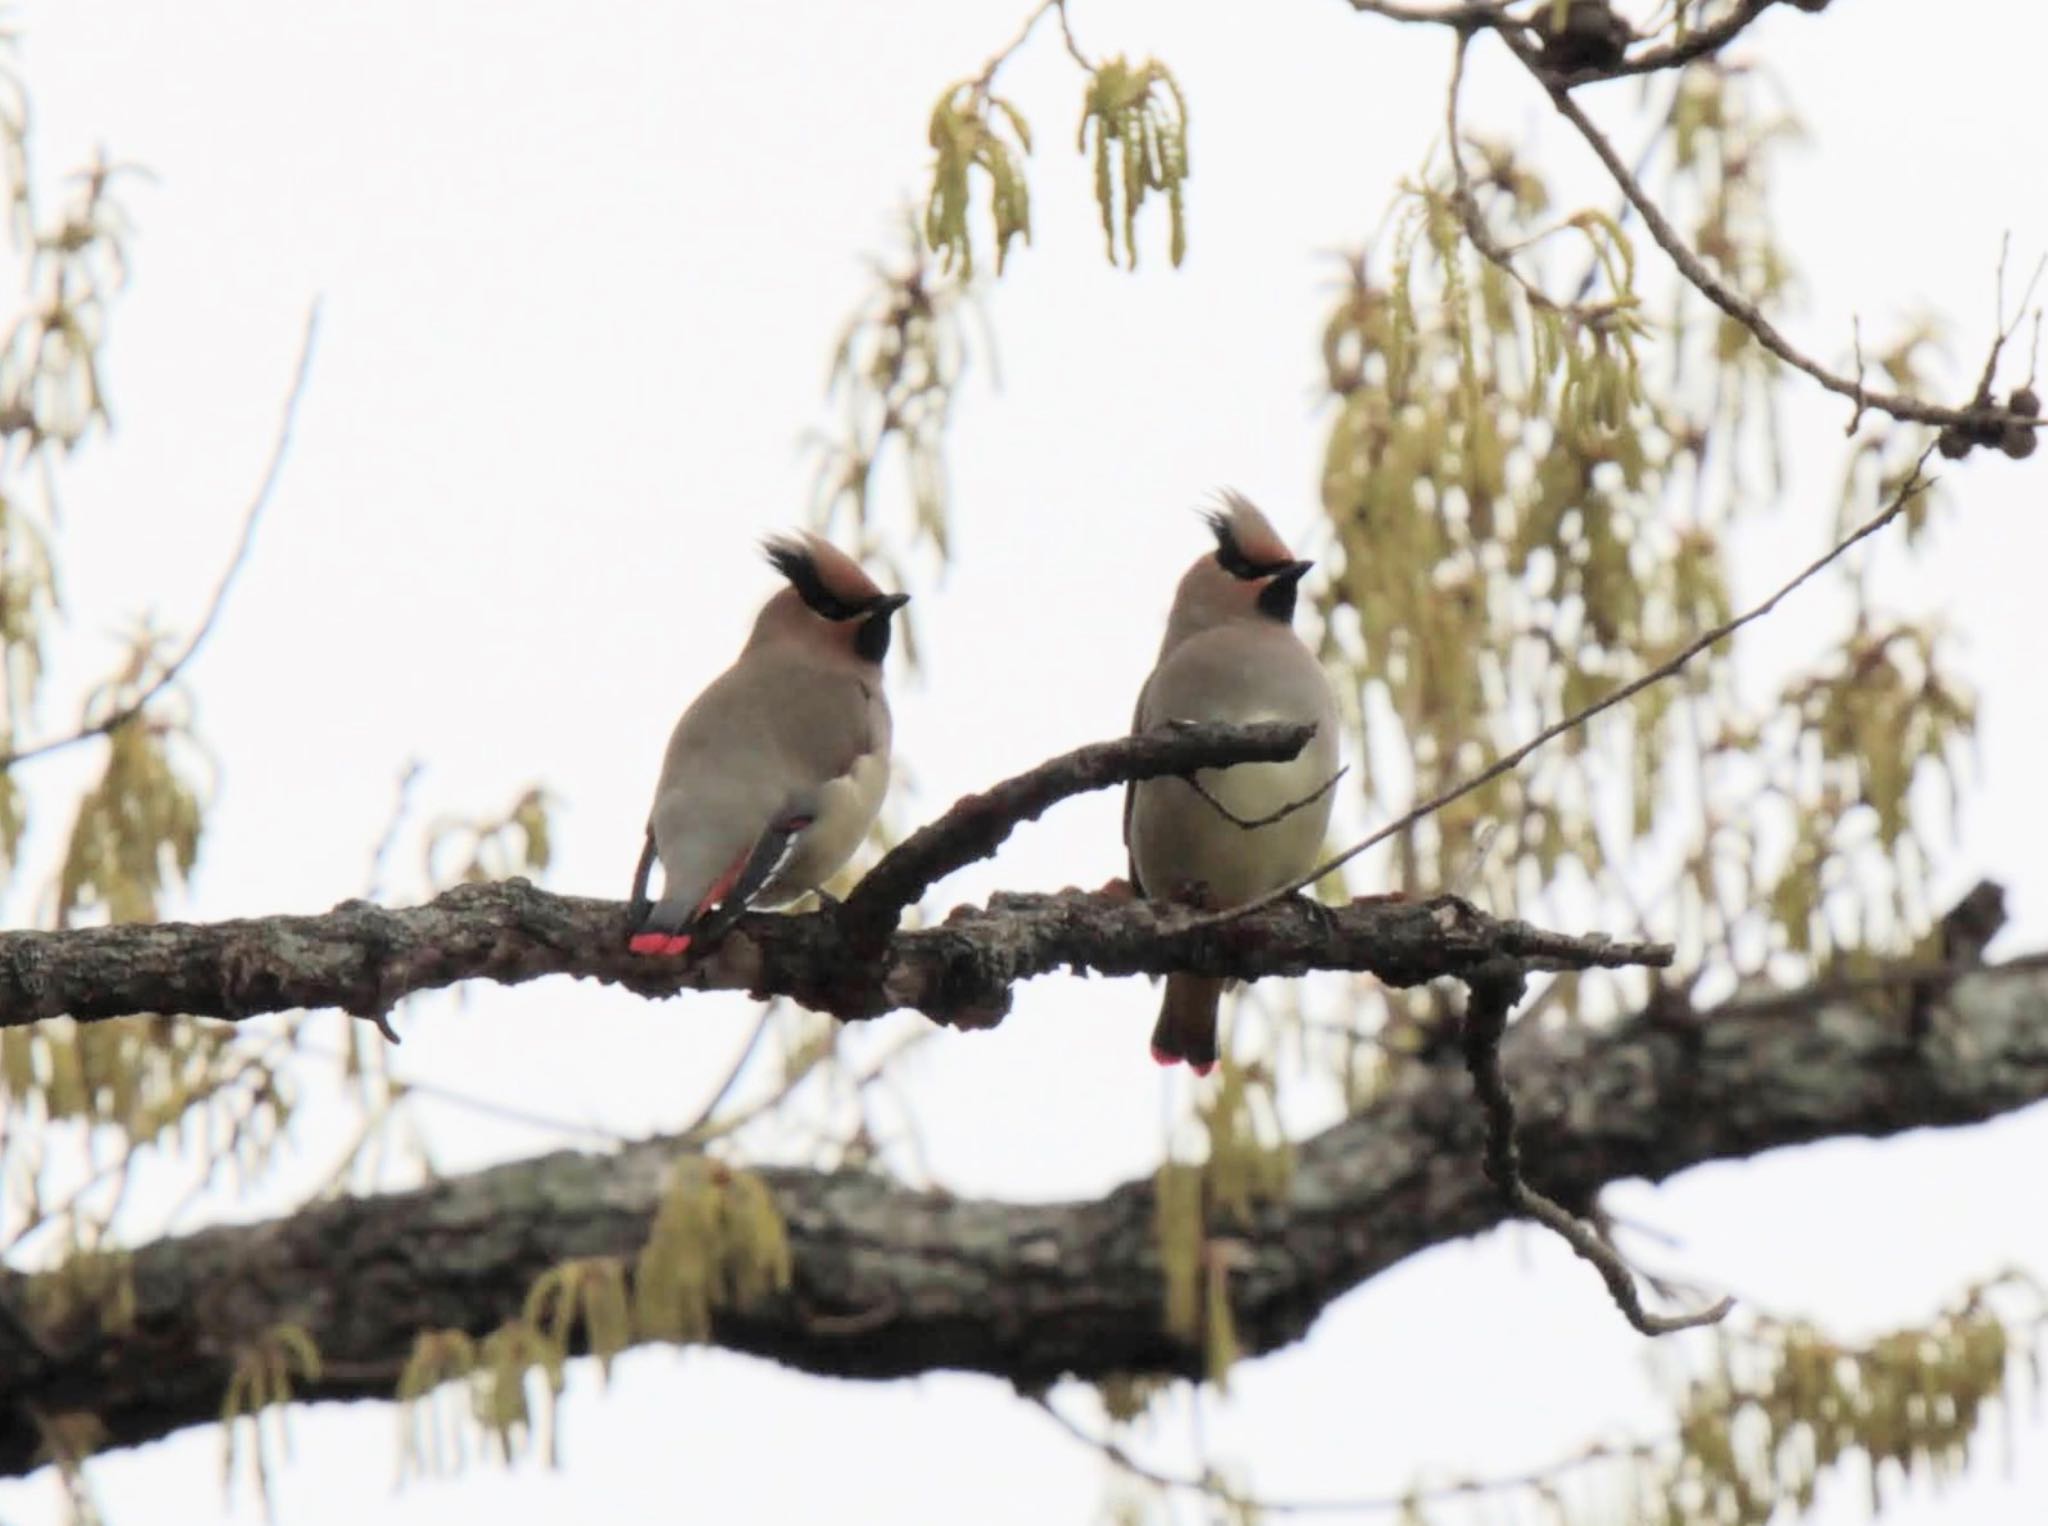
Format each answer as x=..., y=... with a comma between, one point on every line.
x=659, y=945
x=1161, y=1057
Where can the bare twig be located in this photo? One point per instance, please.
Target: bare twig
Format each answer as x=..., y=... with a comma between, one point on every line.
x=708, y=1128
x=119, y=717
x=1067, y=33
x=2006, y=326
x=985, y=80
x=1693, y=46
x=402, y=1088
x=400, y=804
x=1732, y=302
x=1267, y=820
x=1479, y=16
x=1467, y=205
x=1373, y=1504
x=1982, y=418
x=1475, y=14
x=716, y=1100
x=1493, y=993
x=1915, y=484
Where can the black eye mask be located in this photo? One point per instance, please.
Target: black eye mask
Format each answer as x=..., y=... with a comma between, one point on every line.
x=872, y=639
x=1276, y=599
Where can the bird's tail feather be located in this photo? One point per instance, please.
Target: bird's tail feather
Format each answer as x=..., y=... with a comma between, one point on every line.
x=1187, y=1022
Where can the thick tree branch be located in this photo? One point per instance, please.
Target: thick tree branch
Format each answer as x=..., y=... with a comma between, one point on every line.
x=363, y=958
x=889, y=1282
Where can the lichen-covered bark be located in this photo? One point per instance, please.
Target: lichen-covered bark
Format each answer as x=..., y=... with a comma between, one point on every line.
x=362, y=958
x=889, y=1282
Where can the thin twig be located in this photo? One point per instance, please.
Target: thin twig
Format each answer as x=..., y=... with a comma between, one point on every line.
x=1467, y=206
x=985, y=80
x=485, y=1107
x=724, y=1088
x=1731, y=301
x=1676, y=54
x=860, y=1080
x=1915, y=484
x=1492, y=994
x=1476, y=14
x=1504, y=1483
x=400, y=804
x=2006, y=328
x=110, y=723
x=1067, y=32
x=1270, y=817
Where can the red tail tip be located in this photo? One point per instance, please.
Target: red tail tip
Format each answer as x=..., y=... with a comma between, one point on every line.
x=659, y=945
x=1162, y=1057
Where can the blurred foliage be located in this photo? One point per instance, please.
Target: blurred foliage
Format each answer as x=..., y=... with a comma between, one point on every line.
x=1133, y=131
x=1198, y=1208
x=1138, y=122
x=968, y=132
x=491, y=848
x=895, y=371
x=717, y=1242
x=260, y=1388
x=1521, y=525
x=1777, y=1415
x=84, y=1108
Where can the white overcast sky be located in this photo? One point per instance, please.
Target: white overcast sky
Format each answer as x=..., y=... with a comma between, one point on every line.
x=581, y=267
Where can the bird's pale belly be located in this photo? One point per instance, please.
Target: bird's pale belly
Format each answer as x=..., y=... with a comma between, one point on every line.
x=847, y=807
x=1179, y=839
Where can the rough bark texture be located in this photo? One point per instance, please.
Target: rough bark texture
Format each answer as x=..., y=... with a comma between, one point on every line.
x=889, y=1282
x=848, y=961
x=363, y=958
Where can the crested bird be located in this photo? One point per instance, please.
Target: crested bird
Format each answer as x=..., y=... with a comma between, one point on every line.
x=1230, y=654
x=776, y=771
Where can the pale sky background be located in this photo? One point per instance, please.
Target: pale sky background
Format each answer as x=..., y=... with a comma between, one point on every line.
x=582, y=267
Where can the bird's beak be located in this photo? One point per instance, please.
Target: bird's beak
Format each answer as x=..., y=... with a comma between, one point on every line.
x=889, y=603
x=1292, y=572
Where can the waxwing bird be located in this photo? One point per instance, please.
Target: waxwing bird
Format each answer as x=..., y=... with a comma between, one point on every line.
x=776, y=771
x=1230, y=654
